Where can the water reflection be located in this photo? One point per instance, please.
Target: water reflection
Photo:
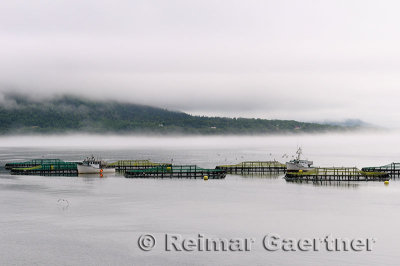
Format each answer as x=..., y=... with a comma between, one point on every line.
x=22, y=187
x=341, y=184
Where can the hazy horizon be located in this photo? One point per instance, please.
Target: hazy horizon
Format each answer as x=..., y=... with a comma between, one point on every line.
x=344, y=147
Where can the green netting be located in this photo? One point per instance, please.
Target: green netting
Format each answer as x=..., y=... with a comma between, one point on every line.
x=36, y=162
x=175, y=169
x=52, y=167
x=392, y=166
x=255, y=164
x=135, y=163
x=336, y=171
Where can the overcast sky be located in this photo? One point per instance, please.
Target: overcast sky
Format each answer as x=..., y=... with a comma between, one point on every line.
x=303, y=60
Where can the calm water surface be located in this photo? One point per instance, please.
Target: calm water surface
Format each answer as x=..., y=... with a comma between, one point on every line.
x=97, y=221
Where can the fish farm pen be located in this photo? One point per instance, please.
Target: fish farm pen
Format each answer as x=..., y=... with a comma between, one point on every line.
x=125, y=165
x=271, y=175
x=392, y=169
x=55, y=169
x=336, y=174
x=177, y=171
x=254, y=167
x=31, y=163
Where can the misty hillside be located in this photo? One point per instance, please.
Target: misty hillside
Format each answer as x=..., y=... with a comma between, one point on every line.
x=349, y=123
x=71, y=114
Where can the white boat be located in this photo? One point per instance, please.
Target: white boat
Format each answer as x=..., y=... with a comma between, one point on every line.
x=92, y=166
x=298, y=164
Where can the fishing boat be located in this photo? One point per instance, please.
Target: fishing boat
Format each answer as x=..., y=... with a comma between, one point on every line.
x=298, y=164
x=91, y=165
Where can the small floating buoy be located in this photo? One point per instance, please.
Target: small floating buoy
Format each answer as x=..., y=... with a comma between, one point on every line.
x=205, y=177
x=386, y=182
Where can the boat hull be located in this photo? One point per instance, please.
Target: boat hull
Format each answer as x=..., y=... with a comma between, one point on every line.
x=293, y=167
x=85, y=169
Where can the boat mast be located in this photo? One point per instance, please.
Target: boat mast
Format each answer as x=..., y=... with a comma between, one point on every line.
x=298, y=152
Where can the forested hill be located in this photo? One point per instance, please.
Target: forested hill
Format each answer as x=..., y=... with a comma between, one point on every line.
x=19, y=115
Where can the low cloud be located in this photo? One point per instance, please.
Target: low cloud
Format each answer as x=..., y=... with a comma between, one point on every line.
x=269, y=59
